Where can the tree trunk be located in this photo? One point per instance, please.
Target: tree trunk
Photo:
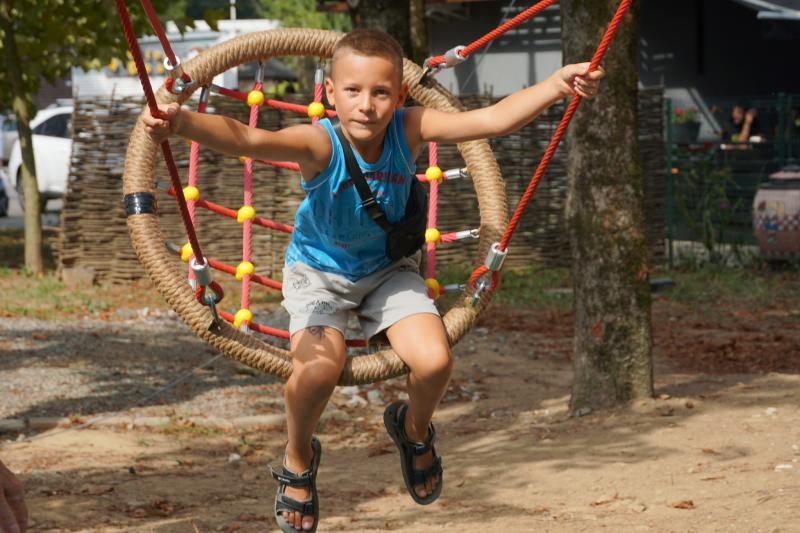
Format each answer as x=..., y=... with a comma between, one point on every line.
x=389, y=15
x=418, y=31
x=612, y=362
x=33, y=220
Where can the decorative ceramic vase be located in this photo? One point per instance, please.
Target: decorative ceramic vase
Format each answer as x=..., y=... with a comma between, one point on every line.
x=776, y=215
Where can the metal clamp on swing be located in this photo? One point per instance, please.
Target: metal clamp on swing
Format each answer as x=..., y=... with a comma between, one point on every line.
x=259, y=77
x=178, y=80
x=452, y=58
x=204, y=94
x=202, y=278
x=455, y=173
x=493, y=263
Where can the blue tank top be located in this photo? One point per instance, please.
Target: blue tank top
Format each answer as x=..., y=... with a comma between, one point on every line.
x=332, y=231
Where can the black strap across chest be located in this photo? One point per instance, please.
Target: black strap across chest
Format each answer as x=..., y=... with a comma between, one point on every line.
x=368, y=201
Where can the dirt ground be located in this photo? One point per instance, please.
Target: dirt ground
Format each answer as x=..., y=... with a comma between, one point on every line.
x=716, y=450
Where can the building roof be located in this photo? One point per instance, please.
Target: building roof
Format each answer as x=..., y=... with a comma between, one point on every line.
x=774, y=9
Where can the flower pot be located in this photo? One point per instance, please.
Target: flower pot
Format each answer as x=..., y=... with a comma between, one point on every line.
x=685, y=132
x=776, y=215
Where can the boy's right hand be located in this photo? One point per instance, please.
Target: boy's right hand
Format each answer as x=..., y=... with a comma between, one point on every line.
x=161, y=127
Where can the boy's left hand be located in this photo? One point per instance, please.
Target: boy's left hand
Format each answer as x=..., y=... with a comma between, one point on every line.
x=578, y=80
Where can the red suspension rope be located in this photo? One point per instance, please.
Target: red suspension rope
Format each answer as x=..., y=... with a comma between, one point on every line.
x=495, y=33
x=605, y=42
x=133, y=45
x=152, y=16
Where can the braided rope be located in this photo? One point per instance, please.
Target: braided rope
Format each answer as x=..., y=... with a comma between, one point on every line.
x=169, y=279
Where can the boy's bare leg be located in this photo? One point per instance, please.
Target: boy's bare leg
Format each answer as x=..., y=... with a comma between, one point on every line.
x=421, y=342
x=318, y=356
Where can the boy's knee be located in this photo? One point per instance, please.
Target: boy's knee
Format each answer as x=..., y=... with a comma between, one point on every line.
x=321, y=374
x=435, y=363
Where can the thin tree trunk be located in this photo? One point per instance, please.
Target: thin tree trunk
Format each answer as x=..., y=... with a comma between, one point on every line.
x=605, y=217
x=33, y=220
x=418, y=29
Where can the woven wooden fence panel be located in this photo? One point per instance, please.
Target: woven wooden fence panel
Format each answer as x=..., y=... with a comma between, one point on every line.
x=94, y=235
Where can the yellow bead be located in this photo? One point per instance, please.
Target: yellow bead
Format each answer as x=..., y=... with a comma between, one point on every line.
x=246, y=212
x=255, y=98
x=242, y=159
x=186, y=252
x=433, y=235
x=191, y=193
x=245, y=268
x=433, y=174
x=242, y=316
x=434, y=289
x=316, y=110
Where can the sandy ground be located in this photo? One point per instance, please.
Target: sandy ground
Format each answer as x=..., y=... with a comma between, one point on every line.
x=716, y=450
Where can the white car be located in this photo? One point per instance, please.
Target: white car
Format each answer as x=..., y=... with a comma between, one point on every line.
x=8, y=134
x=52, y=149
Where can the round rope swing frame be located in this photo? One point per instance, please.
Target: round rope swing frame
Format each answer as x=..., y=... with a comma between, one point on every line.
x=171, y=281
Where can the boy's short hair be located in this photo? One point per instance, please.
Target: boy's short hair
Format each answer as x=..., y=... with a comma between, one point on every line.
x=371, y=43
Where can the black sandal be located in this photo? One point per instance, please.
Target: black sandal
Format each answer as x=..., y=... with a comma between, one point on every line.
x=307, y=478
x=394, y=418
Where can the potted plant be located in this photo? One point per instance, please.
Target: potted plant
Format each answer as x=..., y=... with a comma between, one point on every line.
x=685, y=125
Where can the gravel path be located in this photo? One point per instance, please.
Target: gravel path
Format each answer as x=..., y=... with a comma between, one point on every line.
x=91, y=368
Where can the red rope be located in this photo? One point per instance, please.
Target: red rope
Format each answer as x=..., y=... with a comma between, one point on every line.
x=232, y=213
x=133, y=45
x=495, y=33
x=276, y=104
x=556, y=139
x=162, y=36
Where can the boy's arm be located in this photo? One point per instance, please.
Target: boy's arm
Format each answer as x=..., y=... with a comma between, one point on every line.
x=308, y=145
x=506, y=116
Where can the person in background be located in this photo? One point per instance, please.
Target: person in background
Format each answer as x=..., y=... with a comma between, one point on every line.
x=13, y=512
x=743, y=124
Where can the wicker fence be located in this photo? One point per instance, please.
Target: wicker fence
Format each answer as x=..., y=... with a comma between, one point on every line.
x=94, y=234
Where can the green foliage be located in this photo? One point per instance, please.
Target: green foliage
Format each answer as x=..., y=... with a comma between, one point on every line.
x=685, y=116
x=704, y=203
x=200, y=9
x=53, y=36
x=304, y=14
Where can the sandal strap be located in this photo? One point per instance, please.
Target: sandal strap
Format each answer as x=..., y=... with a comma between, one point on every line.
x=434, y=469
x=284, y=503
x=418, y=448
x=287, y=477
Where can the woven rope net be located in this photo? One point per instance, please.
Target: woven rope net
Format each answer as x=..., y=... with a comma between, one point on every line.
x=170, y=279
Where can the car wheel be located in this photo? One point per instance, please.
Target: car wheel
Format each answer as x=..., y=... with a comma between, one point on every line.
x=3, y=203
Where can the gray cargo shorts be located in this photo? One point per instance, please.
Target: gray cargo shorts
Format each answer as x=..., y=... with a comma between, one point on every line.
x=315, y=298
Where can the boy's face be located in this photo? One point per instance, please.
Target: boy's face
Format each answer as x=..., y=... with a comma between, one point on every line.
x=366, y=91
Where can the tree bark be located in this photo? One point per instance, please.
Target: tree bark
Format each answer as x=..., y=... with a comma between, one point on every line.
x=33, y=221
x=418, y=31
x=612, y=361
x=389, y=15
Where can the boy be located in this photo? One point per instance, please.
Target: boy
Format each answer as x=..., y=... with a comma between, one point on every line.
x=336, y=260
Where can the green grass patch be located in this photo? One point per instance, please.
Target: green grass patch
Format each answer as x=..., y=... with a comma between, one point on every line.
x=718, y=284
x=536, y=286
